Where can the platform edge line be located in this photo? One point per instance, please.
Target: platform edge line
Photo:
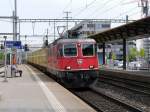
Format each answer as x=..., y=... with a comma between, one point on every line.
x=57, y=106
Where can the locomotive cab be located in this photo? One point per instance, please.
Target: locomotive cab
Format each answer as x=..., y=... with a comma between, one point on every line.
x=77, y=62
x=72, y=61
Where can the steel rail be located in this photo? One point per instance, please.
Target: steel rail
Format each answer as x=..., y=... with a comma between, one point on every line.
x=118, y=101
x=128, y=88
x=110, y=98
x=127, y=81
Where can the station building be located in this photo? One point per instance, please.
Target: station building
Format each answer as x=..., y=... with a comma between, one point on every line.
x=86, y=28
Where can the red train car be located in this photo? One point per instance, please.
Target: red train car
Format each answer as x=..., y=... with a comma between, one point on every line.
x=73, y=61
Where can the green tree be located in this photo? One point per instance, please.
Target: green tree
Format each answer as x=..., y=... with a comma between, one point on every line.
x=1, y=56
x=133, y=53
x=113, y=56
x=142, y=53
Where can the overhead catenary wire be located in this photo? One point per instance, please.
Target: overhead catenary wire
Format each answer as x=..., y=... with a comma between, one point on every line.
x=100, y=8
x=69, y=4
x=84, y=8
x=9, y=21
x=126, y=12
x=95, y=13
x=11, y=5
x=87, y=5
x=109, y=9
x=131, y=1
x=134, y=13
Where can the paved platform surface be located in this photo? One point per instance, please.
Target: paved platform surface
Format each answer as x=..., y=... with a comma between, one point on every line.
x=135, y=75
x=36, y=92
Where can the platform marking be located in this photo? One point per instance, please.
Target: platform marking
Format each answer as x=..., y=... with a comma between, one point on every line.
x=50, y=96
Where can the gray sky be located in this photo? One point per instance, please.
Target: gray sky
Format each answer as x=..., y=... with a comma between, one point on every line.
x=55, y=8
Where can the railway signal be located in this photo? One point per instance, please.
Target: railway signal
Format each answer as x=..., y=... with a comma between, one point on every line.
x=26, y=48
x=2, y=46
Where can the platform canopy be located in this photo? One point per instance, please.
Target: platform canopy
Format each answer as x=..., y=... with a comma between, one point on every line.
x=135, y=30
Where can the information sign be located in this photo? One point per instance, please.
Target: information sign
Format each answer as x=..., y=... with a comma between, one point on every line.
x=13, y=44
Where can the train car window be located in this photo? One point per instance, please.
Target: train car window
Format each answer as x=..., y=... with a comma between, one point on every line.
x=88, y=49
x=70, y=50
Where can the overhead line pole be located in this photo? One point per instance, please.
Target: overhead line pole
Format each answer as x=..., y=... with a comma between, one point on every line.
x=5, y=78
x=13, y=25
x=54, y=30
x=67, y=17
x=15, y=20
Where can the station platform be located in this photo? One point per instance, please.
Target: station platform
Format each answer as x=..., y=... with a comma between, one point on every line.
x=143, y=76
x=36, y=92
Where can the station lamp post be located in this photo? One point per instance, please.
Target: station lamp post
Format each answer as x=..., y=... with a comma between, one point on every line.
x=5, y=78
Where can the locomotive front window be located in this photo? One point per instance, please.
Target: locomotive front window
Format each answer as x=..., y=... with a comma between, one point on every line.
x=88, y=50
x=70, y=50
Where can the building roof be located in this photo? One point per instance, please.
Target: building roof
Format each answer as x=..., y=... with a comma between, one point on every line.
x=75, y=40
x=134, y=30
x=79, y=25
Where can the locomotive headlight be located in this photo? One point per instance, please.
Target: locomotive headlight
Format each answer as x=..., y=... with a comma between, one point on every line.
x=91, y=66
x=79, y=45
x=68, y=67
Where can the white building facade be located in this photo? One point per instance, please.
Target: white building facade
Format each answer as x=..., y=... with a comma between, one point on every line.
x=86, y=28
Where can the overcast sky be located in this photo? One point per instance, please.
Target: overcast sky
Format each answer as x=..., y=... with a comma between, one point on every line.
x=102, y=9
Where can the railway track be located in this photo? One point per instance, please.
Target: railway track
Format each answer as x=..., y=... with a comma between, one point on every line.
x=136, y=86
x=131, y=91
x=102, y=102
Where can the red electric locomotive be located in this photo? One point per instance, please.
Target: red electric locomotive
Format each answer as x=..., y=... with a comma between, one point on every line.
x=73, y=61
